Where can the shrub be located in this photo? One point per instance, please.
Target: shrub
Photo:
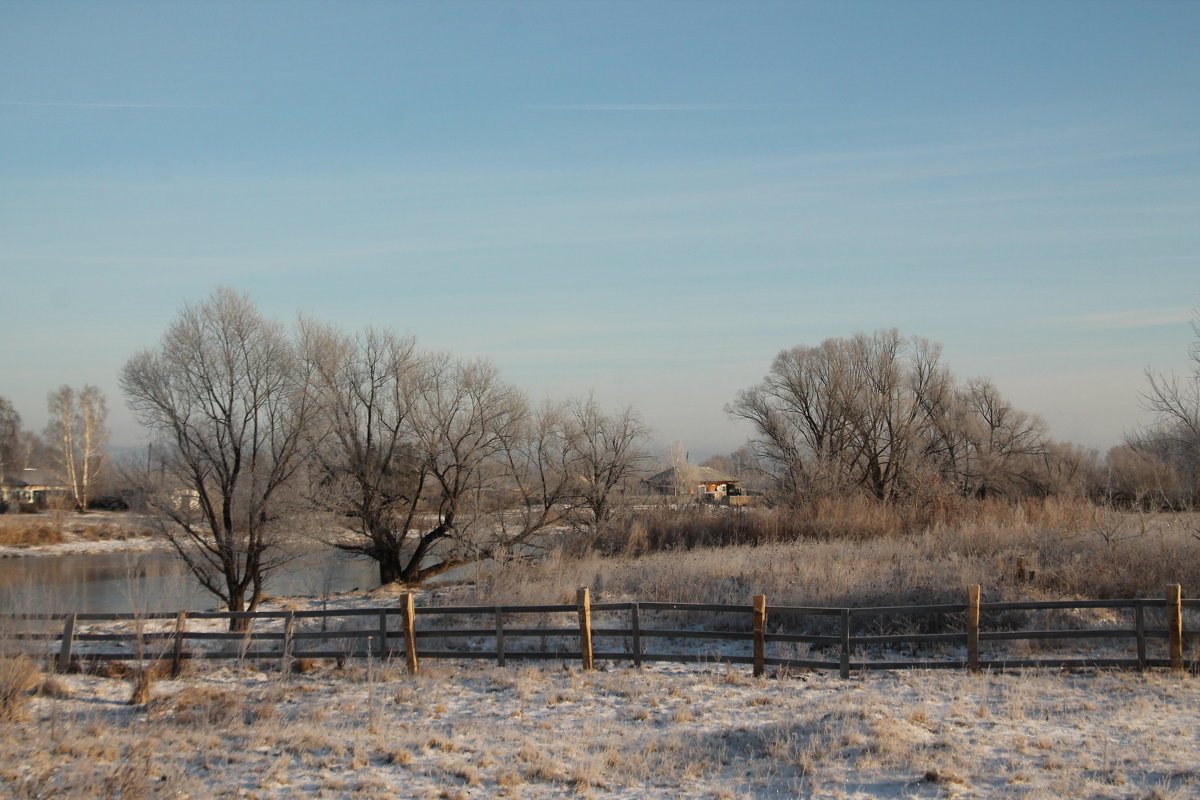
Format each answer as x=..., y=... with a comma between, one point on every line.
x=108, y=503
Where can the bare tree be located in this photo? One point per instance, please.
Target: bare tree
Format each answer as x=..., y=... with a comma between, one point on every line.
x=677, y=463
x=720, y=462
x=77, y=429
x=1142, y=474
x=542, y=466
x=463, y=417
x=881, y=414
x=419, y=450
x=439, y=462
x=611, y=450
x=849, y=414
x=1175, y=432
x=226, y=396
x=362, y=396
x=1006, y=449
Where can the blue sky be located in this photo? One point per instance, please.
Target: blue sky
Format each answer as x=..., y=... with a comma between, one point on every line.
x=647, y=200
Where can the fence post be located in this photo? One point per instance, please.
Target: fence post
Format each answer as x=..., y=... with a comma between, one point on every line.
x=410, y=632
x=584, y=602
x=1139, y=626
x=68, y=638
x=760, y=626
x=177, y=650
x=499, y=612
x=973, y=627
x=845, y=654
x=636, y=629
x=383, y=634
x=285, y=653
x=1175, y=625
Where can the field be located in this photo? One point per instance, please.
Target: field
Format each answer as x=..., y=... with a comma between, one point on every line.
x=369, y=729
x=372, y=731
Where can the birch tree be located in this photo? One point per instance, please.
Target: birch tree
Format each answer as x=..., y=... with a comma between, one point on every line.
x=78, y=434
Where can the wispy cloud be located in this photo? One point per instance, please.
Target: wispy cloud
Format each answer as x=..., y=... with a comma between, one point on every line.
x=1140, y=318
x=655, y=107
x=48, y=104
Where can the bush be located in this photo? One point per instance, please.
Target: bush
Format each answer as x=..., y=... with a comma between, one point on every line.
x=110, y=502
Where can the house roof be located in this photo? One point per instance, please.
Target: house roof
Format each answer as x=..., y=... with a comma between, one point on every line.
x=22, y=478
x=691, y=474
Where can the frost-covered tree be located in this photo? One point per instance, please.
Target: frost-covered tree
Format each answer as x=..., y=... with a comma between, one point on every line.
x=226, y=397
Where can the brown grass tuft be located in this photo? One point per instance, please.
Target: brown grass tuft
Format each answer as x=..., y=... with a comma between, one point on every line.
x=198, y=705
x=22, y=532
x=52, y=687
x=143, y=682
x=19, y=676
x=941, y=776
x=303, y=665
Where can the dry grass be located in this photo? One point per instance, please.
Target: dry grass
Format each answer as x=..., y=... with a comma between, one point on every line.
x=545, y=732
x=143, y=683
x=1071, y=549
x=56, y=527
x=19, y=676
x=18, y=531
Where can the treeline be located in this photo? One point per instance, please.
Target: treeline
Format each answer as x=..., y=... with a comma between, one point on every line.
x=424, y=461
x=427, y=459
x=882, y=415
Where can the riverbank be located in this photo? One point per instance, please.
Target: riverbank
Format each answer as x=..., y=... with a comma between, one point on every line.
x=57, y=533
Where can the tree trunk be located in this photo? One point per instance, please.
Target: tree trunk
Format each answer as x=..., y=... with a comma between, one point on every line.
x=390, y=568
x=237, y=604
x=412, y=573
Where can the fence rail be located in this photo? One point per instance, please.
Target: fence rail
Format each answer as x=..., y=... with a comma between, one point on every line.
x=973, y=635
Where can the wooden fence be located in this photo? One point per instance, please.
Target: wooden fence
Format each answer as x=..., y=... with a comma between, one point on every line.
x=973, y=635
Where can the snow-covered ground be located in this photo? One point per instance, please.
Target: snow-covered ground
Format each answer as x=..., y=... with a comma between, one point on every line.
x=460, y=731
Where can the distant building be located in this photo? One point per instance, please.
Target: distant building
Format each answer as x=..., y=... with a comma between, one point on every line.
x=32, y=487
x=706, y=484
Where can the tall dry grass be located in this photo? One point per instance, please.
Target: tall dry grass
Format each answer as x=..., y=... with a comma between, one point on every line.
x=19, y=676
x=55, y=527
x=857, y=553
x=17, y=531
